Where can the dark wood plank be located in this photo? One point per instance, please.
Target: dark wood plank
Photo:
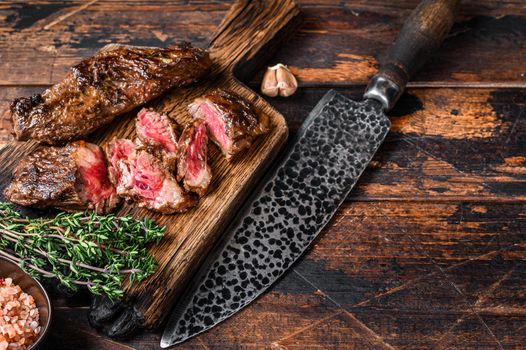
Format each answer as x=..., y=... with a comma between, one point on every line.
x=339, y=43
x=424, y=320
x=342, y=45
x=58, y=35
x=407, y=239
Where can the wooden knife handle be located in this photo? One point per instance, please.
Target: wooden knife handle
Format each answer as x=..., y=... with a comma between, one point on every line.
x=251, y=32
x=421, y=35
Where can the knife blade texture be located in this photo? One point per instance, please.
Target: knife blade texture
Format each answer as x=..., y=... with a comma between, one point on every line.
x=326, y=158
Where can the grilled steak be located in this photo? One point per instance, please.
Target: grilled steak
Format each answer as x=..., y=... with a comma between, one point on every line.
x=73, y=177
x=118, y=151
x=158, y=134
x=192, y=167
x=117, y=79
x=141, y=177
x=231, y=121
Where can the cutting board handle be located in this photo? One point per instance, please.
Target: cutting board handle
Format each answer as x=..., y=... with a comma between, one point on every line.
x=421, y=35
x=250, y=34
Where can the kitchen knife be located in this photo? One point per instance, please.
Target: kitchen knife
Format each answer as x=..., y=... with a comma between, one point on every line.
x=329, y=153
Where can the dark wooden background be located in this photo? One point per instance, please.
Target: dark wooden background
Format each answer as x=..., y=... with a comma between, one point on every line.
x=430, y=249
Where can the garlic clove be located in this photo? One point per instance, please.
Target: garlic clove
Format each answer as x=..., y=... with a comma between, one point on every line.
x=279, y=80
x=269, y=84
x=287, y=82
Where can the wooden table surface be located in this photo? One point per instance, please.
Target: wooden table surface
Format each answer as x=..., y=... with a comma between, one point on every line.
x=429, y=251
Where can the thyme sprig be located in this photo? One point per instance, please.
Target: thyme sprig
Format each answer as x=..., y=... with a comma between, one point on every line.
x=80, y=249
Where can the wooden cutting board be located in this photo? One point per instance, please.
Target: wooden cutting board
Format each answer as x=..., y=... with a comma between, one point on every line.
x=247, y=37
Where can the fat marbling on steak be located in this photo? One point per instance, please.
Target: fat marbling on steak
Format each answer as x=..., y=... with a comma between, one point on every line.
x=232, y=122
x=158, y=133
x=142, y=178
x=192, y=167
x=71, y=178
x=114, y=81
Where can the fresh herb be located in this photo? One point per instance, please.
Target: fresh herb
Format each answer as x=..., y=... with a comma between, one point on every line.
x=80, y=249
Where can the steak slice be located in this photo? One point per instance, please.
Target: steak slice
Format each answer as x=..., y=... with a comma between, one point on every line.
x=231, y=121
x=158, y=134
x=114, y=81
x=141, y=177
x=193, y=168
x=71, y=178
x=118, y=151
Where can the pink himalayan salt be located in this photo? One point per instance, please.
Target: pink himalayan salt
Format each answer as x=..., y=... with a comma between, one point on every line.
x=19, y=327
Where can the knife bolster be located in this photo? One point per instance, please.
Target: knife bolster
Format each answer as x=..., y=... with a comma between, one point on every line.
x=383, y=90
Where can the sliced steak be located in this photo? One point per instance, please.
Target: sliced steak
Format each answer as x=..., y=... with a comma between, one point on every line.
x=71, y=178
x=193, y=168
x=118, y=151
x=117, y=79
x=232, y=122
x=158, y=134
x=142, y=178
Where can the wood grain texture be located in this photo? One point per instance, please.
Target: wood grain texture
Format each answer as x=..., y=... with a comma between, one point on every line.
x=428, y=252
x=339, y=42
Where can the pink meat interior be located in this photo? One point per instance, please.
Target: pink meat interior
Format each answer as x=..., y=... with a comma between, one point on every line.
x=93, y=170
x=157, y=128
x=122, y=149
x=196, y=152
x=147, y=176
x=215, y=124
